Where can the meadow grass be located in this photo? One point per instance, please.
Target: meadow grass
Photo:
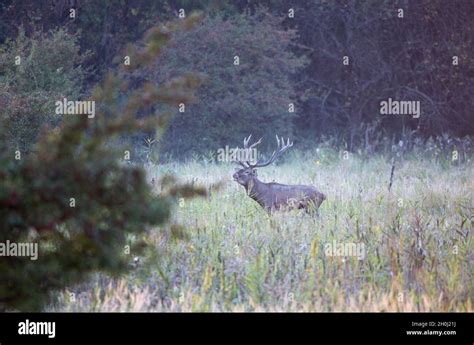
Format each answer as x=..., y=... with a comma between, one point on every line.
x=229, y=255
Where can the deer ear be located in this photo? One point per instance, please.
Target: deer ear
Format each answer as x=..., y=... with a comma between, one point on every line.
x=254, y=171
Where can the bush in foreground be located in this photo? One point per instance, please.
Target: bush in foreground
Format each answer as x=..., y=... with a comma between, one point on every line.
x=75, y=196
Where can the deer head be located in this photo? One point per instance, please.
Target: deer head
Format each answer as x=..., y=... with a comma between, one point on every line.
x=248, y=173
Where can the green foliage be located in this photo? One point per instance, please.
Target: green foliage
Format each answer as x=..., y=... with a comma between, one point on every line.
x=75, y=197
x=409, y=58
x=251, y=97
x=49, y=69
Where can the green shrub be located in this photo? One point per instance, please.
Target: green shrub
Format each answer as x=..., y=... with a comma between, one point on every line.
x=251, y=97
x=49, y=69
x=75, y=197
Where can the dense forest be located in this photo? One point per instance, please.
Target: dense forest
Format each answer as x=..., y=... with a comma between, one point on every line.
x=313, y=70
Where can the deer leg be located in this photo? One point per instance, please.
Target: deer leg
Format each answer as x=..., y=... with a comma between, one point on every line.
x=269, y=209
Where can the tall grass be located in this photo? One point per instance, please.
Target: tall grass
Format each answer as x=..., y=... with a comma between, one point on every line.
x=231, y=256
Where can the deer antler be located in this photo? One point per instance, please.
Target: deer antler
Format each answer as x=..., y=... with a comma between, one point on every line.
x=246, y=143
x=282, y=147
x=247, y=164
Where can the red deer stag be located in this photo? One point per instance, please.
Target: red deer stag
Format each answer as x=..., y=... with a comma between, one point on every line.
x=275, y=196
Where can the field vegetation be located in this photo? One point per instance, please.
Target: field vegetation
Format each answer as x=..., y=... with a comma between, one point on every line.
x=224, y=253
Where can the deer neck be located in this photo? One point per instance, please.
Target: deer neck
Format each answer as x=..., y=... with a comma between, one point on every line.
x=254, y=188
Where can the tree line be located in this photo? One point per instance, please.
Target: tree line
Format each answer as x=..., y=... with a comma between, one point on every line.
x=308, y=69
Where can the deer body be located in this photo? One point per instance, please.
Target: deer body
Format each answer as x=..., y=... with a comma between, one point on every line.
x=276, y=196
